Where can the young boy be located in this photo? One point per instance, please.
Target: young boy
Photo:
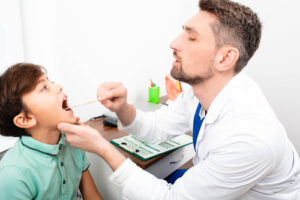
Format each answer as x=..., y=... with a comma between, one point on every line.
x=41, y=165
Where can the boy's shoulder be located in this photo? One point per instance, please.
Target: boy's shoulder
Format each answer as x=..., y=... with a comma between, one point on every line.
x=21, y=156
x=12, y=156
x=12, y=163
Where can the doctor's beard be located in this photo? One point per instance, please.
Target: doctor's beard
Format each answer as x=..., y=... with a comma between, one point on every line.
x=180, y=75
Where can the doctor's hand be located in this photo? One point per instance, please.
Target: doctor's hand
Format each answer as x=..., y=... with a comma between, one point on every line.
x=86, y=138
x=113, y=95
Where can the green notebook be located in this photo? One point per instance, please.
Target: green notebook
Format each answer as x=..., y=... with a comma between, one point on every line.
x=145, y=151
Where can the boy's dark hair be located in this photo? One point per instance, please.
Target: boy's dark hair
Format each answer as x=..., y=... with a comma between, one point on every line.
x=16, y=81
x=238, y=25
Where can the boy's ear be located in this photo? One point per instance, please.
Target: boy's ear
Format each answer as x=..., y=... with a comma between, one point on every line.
x=24, y=121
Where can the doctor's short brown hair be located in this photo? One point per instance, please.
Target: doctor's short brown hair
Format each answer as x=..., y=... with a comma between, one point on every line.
x=237, y=25
x=15, y=82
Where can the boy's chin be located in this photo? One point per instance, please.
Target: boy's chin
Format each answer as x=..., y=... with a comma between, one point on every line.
x=71, y=120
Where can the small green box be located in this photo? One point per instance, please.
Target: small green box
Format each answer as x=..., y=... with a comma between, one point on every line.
x=153, y=95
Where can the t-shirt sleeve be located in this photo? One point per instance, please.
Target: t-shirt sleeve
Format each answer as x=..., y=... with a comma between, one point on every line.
x=85, y=162
x=13, y=184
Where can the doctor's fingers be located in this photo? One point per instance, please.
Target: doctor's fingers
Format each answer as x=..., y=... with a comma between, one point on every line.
x=80, y=128
x=113, y=94
x=78, y=133
x=109, y=90
x=112, y=105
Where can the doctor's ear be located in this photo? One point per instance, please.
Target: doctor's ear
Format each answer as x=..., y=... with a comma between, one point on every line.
x=23, y=120
x=226, y=58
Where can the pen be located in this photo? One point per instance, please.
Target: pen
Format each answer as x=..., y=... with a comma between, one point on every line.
x=151, y=83
x=179, y=88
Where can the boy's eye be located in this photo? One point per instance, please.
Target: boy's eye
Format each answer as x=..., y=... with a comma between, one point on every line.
x=44, y=88
x=192, y=39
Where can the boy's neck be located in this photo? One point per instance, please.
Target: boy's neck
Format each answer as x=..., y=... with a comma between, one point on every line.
x=45, y=135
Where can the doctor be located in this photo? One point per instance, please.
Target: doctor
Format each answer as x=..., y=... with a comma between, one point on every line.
x=242, y=150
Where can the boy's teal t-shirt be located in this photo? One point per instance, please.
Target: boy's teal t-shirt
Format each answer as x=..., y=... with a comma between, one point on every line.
x=35, y=170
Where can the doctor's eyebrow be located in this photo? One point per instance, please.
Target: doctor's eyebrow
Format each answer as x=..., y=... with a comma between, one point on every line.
x=189, y=29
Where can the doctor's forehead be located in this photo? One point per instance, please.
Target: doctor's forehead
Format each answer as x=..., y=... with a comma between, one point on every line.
x=200, y=23
x=190, y=29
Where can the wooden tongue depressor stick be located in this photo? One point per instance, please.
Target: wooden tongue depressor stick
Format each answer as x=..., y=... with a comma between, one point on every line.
x=83, y=104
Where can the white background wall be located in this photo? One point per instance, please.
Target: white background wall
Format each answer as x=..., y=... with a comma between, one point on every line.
x=275, y=66
x=85, y=42
x=11, y=40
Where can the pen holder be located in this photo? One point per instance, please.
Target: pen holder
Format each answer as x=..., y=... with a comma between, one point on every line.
x=153, y=95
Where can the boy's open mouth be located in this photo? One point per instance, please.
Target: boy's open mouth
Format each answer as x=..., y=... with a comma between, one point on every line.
x=65, y=105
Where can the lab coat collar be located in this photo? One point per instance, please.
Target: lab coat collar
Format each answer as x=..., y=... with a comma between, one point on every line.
x=48, y=149
x=223, y=98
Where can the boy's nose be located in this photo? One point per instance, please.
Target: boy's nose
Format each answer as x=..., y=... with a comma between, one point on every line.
x=59, y=88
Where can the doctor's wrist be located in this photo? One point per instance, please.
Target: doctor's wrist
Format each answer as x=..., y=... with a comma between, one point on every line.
x=122, y=109
x=112, y=156
x=127, y=114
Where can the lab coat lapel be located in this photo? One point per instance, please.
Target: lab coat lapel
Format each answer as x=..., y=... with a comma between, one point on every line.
x=221, y=100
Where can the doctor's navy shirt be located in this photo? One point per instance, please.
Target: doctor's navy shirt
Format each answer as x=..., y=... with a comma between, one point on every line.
x=35, y=170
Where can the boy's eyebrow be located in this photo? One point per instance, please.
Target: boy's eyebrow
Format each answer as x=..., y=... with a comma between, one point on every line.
x=189, y=29
x=45, y=79
x=40, y=81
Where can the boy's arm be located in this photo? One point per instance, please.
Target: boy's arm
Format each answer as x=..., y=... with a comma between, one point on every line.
x=88, y=188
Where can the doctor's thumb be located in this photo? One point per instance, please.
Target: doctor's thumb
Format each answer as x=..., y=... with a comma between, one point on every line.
x=66, y=127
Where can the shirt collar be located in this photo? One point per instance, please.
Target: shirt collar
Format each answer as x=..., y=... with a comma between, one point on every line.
x=202, y=112
x=223, y=98
x=49, y=149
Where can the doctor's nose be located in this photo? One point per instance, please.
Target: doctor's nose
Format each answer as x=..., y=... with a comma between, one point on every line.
x=175, y=44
